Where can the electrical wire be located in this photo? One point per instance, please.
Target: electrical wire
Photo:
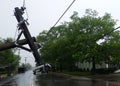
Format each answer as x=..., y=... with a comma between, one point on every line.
x=64, y=13
x=107, y=33
x=10, y=64
x=24, y=3
x=15, y=34
x=24, y=6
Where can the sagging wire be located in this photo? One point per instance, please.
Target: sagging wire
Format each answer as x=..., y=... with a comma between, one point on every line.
x=63, y=13
x=24, y=3
x=24, y=6
x=16, y=31
x=10, y=64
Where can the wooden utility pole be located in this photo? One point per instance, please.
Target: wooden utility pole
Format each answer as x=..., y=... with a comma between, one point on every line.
x=22, y=25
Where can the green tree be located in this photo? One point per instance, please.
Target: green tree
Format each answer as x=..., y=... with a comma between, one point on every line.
x=8, y=59
x=77, y=40
x=111, y=48
x=89, y=29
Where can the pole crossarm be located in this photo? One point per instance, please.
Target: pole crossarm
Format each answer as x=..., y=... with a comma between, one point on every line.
x=14, y=44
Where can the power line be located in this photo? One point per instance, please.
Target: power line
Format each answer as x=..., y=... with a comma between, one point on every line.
x=10, y=64
x=24, y=6
x=24, y=3
x=64, y=13
x=107, y=33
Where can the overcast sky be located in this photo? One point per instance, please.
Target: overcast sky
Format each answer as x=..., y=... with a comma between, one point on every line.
x=44, y=13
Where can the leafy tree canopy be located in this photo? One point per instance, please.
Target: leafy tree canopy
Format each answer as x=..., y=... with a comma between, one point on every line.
x=7, y=57
x=77, y=40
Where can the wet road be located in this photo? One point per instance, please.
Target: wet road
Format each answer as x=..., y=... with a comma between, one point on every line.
x=53, y=80
x=23, y=79
x=28, y=79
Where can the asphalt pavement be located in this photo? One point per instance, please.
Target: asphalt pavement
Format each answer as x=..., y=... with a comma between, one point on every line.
x=22, y=79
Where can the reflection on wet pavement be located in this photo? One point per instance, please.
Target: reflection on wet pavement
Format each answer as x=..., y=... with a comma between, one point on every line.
x=52, y=80
x=28, y=79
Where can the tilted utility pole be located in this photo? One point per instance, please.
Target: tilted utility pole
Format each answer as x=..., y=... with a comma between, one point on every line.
x=22, y=25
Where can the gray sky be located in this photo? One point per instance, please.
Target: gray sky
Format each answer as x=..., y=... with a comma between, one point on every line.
x=44, y=13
